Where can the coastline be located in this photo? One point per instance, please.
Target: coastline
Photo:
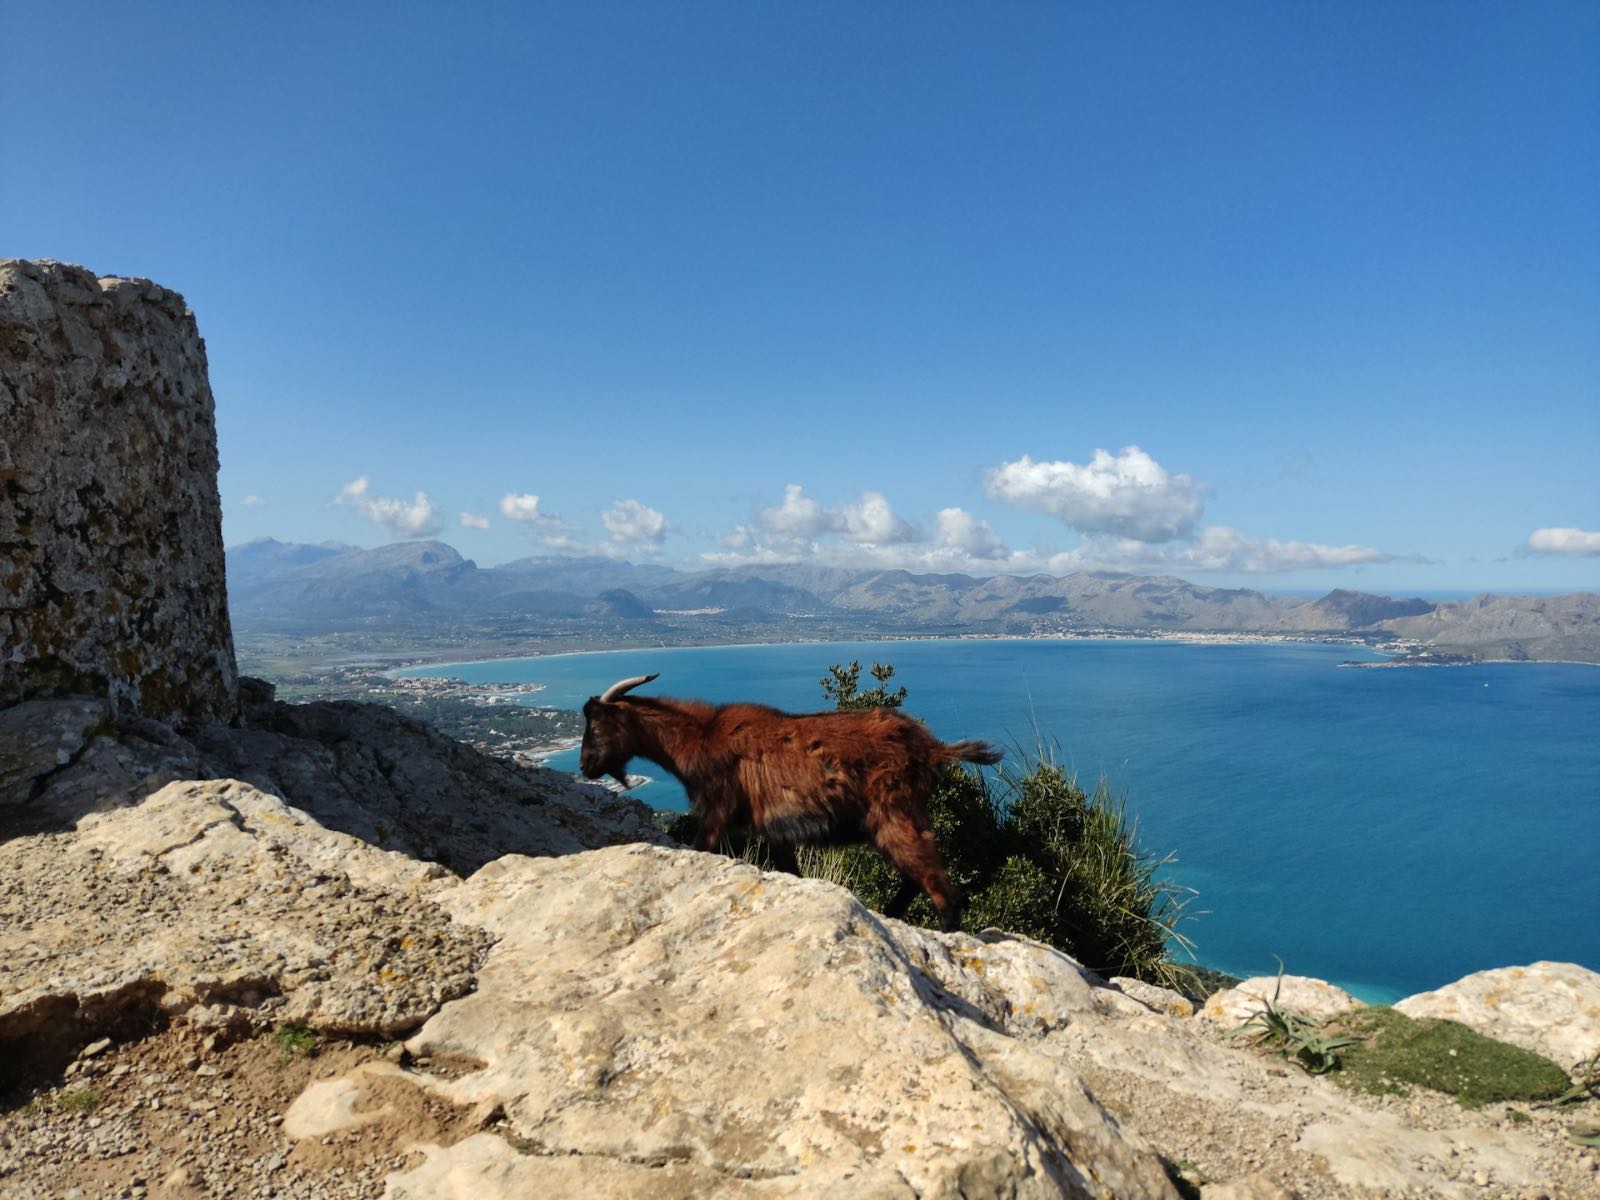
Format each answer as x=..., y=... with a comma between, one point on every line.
x=1182, y=639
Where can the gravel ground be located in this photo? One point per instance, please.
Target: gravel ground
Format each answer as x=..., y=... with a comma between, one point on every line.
x=180, y=1115
x=1259, y=1140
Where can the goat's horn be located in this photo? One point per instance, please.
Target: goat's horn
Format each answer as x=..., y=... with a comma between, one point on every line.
x=622, y=686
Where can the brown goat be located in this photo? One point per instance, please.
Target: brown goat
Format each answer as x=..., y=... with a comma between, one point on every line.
x=815, y=779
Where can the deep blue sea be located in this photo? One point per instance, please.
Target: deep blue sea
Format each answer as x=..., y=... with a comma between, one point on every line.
x=1389, y=830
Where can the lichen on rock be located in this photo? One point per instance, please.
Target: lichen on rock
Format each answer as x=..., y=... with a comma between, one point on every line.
x=111, y=567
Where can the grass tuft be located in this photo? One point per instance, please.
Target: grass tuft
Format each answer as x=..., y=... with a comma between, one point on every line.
x=295, y=1041
x=1296, y=1037
x=1585, y=1082
x=78, y=1100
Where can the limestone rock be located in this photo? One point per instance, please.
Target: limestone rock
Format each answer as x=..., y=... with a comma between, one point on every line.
x=762, y=1035
x=1163, y=1000
x=1550, y=1008
x=361, y=769
x=119, y=767
x=369, y=771
x=39, y=737
x=219, y=902
x=111, y=582
x=487, y=1167
x=1255, y=1186
x=1313, y=998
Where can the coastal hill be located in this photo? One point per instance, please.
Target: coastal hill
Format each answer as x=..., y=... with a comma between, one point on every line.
x=250, y=948
x=428, y=587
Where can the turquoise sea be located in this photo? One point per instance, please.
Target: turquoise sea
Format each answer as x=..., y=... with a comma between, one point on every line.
x=1389, y=830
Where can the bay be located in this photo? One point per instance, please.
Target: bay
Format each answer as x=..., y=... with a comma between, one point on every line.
x=1388, y=830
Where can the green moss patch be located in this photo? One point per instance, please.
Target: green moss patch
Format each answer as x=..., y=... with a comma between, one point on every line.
x=1395, y=1053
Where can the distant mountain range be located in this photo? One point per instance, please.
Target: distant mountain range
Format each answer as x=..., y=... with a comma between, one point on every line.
x=427, y=584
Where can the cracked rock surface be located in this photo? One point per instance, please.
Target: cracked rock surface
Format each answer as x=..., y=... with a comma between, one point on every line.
x=666, y=1011
x=360, y=769
x=218, y=903
x=111, y=566
x=635, y=1021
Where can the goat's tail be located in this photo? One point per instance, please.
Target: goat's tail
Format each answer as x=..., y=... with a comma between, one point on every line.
x=972, y=752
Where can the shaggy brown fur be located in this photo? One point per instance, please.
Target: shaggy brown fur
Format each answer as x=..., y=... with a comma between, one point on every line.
x=812, y=779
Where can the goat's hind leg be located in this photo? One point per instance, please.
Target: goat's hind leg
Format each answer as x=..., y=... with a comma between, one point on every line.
x=708, y=836
x=896, y=907
x=783, y=858
x=909, y=846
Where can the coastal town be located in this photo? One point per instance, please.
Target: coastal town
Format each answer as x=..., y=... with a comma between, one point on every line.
x=496, y=718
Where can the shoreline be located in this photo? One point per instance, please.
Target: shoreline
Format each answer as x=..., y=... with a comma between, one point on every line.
x=1183, y=639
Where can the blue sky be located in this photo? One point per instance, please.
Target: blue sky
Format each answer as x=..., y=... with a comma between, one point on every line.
x=1333, y=270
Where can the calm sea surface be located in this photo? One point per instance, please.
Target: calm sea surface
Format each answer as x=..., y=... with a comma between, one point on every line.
x=1389, y=830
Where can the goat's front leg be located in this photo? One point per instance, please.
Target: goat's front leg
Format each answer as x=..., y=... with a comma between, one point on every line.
x=713, y=817
x=783, y=857
x=709, y=835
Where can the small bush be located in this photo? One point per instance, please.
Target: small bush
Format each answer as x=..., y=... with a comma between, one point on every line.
x=295, y=1041
x=80, y=1100
x=1395, y=1051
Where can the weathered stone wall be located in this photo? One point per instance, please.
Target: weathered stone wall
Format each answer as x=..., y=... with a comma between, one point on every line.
x=111, y=566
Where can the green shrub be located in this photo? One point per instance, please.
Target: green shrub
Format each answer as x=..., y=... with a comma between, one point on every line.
x=80, y=1100
x=295, y=1041
x=1032, y=853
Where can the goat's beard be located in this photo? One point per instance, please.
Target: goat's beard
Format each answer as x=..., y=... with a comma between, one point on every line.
x=620, y=774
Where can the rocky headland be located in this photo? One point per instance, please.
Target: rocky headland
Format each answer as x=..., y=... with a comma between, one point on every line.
x=250, y=948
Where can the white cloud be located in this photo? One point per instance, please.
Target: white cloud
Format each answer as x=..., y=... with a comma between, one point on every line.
x=966, y=544
x=1574, y=543
x=798, y=519
x=872, y=520
x=957, y=529
x=1135, y=516
x=253, y=501
x=414, y=520
x=1216, y=548
x=524, y=508
x=474, y=521
x=1128, y=495
x=798, y=516
x=633, y=524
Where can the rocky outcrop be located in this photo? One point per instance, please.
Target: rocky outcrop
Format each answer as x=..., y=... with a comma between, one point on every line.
x=640, y=1021
x=1313, y=998
x=219, y=904
x=369, y=771
x=40, y=737
x=111, y=566
x=360, y=769
x=654, y=1009
x=1550, y=1008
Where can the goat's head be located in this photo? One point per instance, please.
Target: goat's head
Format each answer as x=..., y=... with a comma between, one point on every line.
x=609, y=733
